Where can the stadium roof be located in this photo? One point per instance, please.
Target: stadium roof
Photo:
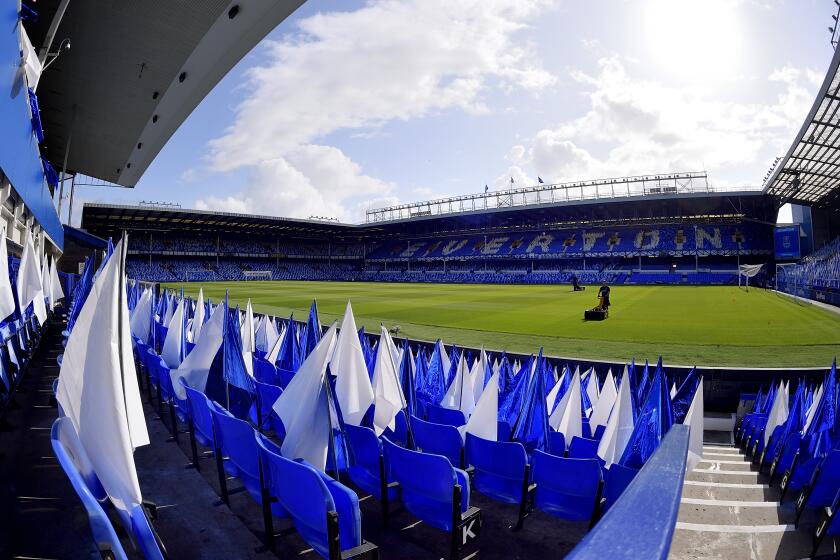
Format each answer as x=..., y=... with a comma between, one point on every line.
x=810, y=171
x=111, y=219
x=135, y=71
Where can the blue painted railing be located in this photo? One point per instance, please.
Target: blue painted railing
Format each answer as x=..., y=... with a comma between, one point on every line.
x=641, y=523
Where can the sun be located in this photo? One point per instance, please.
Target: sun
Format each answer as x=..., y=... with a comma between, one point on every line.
x=696, y=39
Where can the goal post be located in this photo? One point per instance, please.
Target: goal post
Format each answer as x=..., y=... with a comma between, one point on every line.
x=747, y=271
x=257, y=274
x=786, y=282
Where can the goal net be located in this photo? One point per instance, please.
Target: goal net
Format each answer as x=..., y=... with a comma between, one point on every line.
x=747, y=271
x=257, y=274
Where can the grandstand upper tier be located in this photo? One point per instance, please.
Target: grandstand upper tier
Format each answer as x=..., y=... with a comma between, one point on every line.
x=684, y=237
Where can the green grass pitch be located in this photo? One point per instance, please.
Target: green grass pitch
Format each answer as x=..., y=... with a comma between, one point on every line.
x=702, y=325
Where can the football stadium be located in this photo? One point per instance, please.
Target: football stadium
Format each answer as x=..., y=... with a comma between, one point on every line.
x=625, y=365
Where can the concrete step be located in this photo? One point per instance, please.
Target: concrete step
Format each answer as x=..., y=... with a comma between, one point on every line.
x=717, y=491
x=735, y=512
x=724, y=465
x=725, y=476
x=756, y=542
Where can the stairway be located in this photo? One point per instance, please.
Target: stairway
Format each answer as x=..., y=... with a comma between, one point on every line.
x=727, y=511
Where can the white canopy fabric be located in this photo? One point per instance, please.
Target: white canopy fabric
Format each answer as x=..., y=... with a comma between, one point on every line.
x=141, y=318
x=98, y=389
x=172, y=346
x=601, y=410
x=567, y=418
x=198, y=318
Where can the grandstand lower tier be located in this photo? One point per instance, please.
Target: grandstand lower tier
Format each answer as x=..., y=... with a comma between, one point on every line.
x=646, y=270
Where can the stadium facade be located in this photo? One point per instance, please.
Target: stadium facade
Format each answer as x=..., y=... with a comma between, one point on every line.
x=96, y=90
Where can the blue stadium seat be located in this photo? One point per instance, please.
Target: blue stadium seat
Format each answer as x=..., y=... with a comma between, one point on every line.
x=617, y=479
x=325, y=512
x=399, y=434
x=567, y=488
x=236, y=452
x=367, y=466
x=440, y=415
x=583, y=448
x=557, y=443
x=201, y=421
x=823, y=486
x=73, y=459
x=501, y=471
x=435, y=492
x=440, y=439
x=267, y=395
x=503, y=431
x=828, y=524
x=265, y=372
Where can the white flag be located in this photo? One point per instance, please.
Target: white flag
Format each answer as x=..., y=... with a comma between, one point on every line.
x=620, y=425
x=606, y=401
x=459, y=396
x=7, y=298
x=778, y=412
x=56, y=291
x=198, y=318
x=386, y=389
x=141, y=319
x=694, y=420
x=29, y=287
x=484, y=421
x=304, y=409
x=98, y=389
x=172, y=344
x=247, y=333
x=352, y=387
x=567, y=418
x=477, y=374
x=196, y=366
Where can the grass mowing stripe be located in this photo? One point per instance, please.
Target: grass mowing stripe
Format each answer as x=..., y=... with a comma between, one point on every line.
x=704, y=325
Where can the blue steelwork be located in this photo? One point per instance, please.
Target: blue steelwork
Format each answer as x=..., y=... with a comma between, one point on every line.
x=641, y=523
x=19, y=156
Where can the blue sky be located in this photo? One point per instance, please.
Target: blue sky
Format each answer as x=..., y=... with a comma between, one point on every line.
x=350, y=104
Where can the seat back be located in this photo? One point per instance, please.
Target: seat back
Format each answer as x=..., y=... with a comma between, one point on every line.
x=266, y=372
x=557, y=443
x=828, y=481
x=789, y=449
x=200, y=412
x=267, y=395
x=400, y=432
x=438, y=439
x=144, y=535
x=73, y=459
x=440, y=415
x=427, y=482
x=499, y=467
x=308, y=495
x=235, y=438
x=617, y=479
x=365, y=447
x=566, y=488
x=599, y=432
x=503, y=431
x=583, y=448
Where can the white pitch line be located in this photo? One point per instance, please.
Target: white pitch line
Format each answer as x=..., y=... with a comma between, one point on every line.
x=703, y=528
x=722, y=484
x=727, y=503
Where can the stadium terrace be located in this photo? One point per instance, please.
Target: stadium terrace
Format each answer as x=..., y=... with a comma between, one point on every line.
x=628, y=367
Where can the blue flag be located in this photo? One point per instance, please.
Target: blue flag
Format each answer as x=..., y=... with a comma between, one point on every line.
x=532, y=424
x=505, y=376
x=818, y=437
x=288, y=357
x=406, y=378
x=511, y=405
x=313, y=331
x=685, y=394
x=82, y=290
x=435, y=382
x=228, y=382
x=655, y=419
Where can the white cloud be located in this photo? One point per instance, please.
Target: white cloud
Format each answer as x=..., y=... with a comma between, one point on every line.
x=310, y=180
x=636, y=126
x=389, y=60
